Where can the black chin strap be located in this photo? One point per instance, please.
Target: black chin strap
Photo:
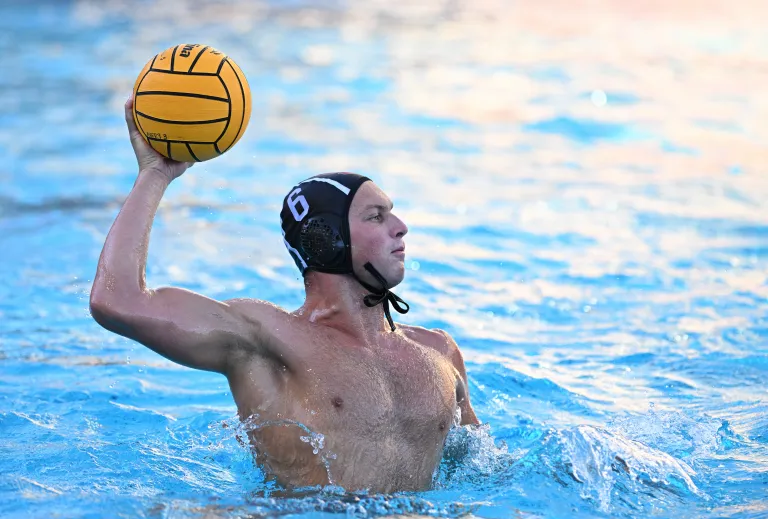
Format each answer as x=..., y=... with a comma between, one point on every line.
x=382, y=295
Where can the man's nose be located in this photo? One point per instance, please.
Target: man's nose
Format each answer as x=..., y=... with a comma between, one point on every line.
x=400, y=228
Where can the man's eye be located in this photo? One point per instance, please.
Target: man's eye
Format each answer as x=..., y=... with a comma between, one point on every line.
x=375, y=217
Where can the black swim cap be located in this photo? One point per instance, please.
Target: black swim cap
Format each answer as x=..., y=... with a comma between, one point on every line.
x=315, y=224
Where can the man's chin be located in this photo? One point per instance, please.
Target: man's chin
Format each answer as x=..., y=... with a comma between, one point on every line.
x=397, y=276
x=393, y=274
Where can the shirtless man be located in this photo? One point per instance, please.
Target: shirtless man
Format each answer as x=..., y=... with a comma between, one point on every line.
x=382, y=396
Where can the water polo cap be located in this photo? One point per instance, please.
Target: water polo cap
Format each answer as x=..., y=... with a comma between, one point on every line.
x=315, y=224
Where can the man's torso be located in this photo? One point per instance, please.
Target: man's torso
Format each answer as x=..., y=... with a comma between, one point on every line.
x=369, y=416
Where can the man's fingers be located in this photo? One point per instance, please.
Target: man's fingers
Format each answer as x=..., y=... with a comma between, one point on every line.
x=129, y=111
x=140, y=146
x=132, y=130
x=145, y=154
x=129, y=115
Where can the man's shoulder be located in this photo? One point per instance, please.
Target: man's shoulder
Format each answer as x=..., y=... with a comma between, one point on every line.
x=264, y=316
x=255, y=307
x=434, y=338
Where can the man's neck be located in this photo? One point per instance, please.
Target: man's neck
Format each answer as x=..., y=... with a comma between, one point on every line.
x=336, y=300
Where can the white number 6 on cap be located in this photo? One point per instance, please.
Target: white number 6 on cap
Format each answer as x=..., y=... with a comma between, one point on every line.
x=300, y=200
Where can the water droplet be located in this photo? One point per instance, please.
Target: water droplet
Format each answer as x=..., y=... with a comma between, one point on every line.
x=415, y=265
x=316, y=440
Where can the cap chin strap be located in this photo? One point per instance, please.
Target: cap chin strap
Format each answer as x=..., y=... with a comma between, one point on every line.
x=382, y=295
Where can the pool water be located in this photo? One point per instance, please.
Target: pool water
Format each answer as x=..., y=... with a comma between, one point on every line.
x=586, y=190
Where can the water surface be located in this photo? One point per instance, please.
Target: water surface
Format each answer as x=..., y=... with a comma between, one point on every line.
x=585, y=187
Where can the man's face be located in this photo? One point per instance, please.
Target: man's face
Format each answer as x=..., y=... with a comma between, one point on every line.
x=377, y=236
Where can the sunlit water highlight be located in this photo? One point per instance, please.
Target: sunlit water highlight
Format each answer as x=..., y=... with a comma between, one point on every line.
x=586, y=189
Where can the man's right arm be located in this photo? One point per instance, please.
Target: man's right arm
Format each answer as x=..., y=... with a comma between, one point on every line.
x=185, y=327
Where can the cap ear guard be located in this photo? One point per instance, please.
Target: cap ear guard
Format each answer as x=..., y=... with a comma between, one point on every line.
x=321, y=241
x=315, y=222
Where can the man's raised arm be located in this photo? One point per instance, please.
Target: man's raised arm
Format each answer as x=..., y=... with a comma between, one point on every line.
x=185, y=327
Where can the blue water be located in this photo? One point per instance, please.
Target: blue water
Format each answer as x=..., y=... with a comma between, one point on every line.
x=587, y=213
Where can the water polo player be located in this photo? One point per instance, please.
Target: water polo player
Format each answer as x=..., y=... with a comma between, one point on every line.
x=381, y=396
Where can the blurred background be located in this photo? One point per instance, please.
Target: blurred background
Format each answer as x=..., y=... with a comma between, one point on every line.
x=586, y=189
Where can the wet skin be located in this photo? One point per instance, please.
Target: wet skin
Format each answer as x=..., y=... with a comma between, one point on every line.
x=384, y=409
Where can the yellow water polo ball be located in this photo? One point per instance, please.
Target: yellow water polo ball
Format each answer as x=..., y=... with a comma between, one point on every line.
x=191, y=103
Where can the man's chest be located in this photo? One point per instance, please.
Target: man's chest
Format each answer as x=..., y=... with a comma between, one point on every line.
x=410, y=390
x=401, y=387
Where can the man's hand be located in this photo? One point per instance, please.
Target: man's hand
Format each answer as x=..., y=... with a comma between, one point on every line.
x=147, y=157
